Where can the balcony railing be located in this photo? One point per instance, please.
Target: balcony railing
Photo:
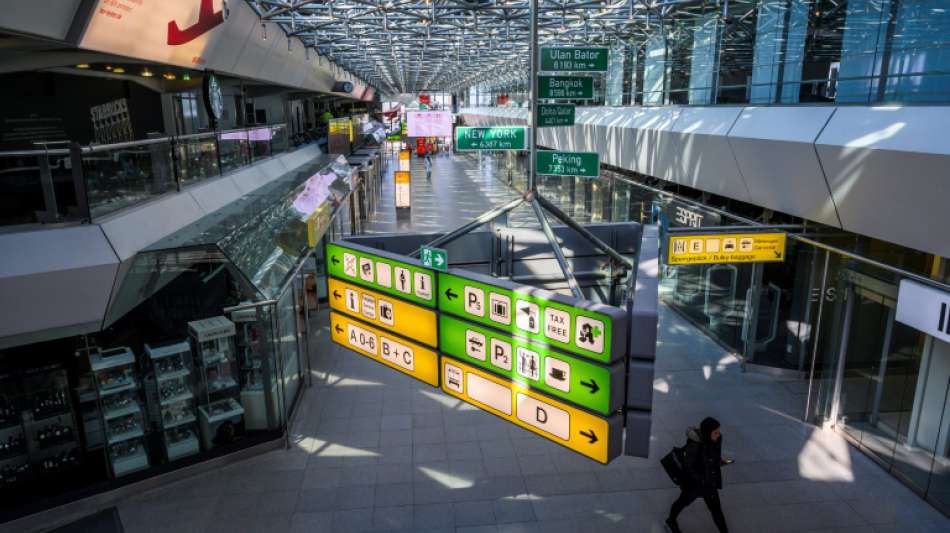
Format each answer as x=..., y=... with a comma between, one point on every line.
x=82, y=183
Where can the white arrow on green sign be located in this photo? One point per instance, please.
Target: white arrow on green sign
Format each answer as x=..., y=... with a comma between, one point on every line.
x=574, y=59
x=491, y=138
x=435, y=258
x=552, y=163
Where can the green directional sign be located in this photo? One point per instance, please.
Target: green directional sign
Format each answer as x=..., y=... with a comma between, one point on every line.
x=436, y=258
x=568, y=324
x=555, y=115
x=534, y=365
x=566, y=87
x=492, y=138
x=381, y=271
x=553, y=163
x=574, y=59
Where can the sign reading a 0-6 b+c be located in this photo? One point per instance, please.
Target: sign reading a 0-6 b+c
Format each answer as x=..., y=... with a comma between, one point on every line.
x=591, y=330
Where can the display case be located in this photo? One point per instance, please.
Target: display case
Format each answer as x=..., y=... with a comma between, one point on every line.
x=14, y=460
x=173, y=389
x=121, y=410
x=220, y=414
x=49, y=422
x=256, y=370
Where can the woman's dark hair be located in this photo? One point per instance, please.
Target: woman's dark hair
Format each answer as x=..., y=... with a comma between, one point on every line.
x=707, y=426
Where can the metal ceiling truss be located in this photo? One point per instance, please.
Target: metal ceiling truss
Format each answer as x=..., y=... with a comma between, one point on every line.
x=411, y=46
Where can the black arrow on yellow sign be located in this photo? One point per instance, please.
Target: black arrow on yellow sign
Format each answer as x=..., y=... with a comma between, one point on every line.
x=339, y=329
x=590, y=435
x=337, y=295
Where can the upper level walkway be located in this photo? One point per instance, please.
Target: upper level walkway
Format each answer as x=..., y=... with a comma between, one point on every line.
x=373, y=449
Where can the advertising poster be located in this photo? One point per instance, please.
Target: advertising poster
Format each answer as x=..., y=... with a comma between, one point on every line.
x=429, y=123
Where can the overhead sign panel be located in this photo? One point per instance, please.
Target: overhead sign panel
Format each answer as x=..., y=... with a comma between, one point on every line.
x=491, y=138
x=411, y=321
x=585, y=433
x=534, y=365
x=568, y=324
x=566, y=87
x=429, y=123
x=705, y=248
x=553, y=163
x=377, y=344
x=403, y=182
x=557, y=59
x=924, y=308
x=381, y=271
x=555, y=115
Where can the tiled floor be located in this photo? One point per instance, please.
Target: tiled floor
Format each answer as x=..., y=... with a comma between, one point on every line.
x=376, y=450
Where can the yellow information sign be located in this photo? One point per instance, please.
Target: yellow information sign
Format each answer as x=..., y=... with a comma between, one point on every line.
x=404, y=163
x=402, y=176
x=411, y=321
x=587, y=434
x=405, y=356
x=694, y=249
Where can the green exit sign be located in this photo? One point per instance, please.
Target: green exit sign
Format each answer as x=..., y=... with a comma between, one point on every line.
x=436, y=258
x=555, y=115
x=574, y=59
x=551, y=163
x=566, y=87
x=492, y=138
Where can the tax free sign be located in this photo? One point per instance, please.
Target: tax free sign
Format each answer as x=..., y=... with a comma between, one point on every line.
x=549, y=363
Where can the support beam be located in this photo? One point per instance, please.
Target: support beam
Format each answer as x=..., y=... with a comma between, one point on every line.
x=484, y=218
x=558, y=253
x=569, y=222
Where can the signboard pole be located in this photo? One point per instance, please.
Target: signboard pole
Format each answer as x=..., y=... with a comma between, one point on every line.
x=532, y=174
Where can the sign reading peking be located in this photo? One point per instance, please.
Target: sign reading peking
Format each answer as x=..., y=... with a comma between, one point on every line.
x=555, y=115
x=552, y=163
x=566, y=87
x=574, y=59
x=492, y=138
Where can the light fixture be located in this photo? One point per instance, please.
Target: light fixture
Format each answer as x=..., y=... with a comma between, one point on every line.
x=118, y=70
x=83, y=65
x=109, y=67
x=146, y=73
x=186, y=77
x=169, y=76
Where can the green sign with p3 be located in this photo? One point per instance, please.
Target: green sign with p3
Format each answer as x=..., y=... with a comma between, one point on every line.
x=568, y=324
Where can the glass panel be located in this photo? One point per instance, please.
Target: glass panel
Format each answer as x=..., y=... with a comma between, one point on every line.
x=235, y=149
x=120, y=177
x=289, y=348
x=21, y=192
x=197, y=159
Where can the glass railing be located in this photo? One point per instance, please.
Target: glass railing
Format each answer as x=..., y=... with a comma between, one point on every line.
x=42, y=186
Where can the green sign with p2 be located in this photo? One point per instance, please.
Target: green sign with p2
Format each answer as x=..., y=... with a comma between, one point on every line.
x=534, y=365
x=565, y=323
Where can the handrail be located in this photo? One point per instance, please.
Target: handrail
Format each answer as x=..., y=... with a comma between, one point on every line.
x=31, y=153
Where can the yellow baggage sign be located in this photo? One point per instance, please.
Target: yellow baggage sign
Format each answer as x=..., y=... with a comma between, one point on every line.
x=695, y=248
x=411, y=321
x=587, y=434
x=405, y=356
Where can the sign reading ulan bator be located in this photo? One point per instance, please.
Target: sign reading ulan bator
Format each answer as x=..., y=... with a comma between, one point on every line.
x=574, y=59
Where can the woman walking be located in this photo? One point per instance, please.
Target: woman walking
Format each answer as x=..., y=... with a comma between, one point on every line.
x=702, y=471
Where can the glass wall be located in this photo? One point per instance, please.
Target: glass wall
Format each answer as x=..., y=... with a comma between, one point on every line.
x=792, y=51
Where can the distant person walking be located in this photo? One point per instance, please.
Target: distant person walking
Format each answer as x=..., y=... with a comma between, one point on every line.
x=428, y=164
x=702, y=473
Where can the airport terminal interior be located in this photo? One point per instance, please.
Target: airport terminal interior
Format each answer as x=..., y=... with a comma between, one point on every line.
x=474, y=266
